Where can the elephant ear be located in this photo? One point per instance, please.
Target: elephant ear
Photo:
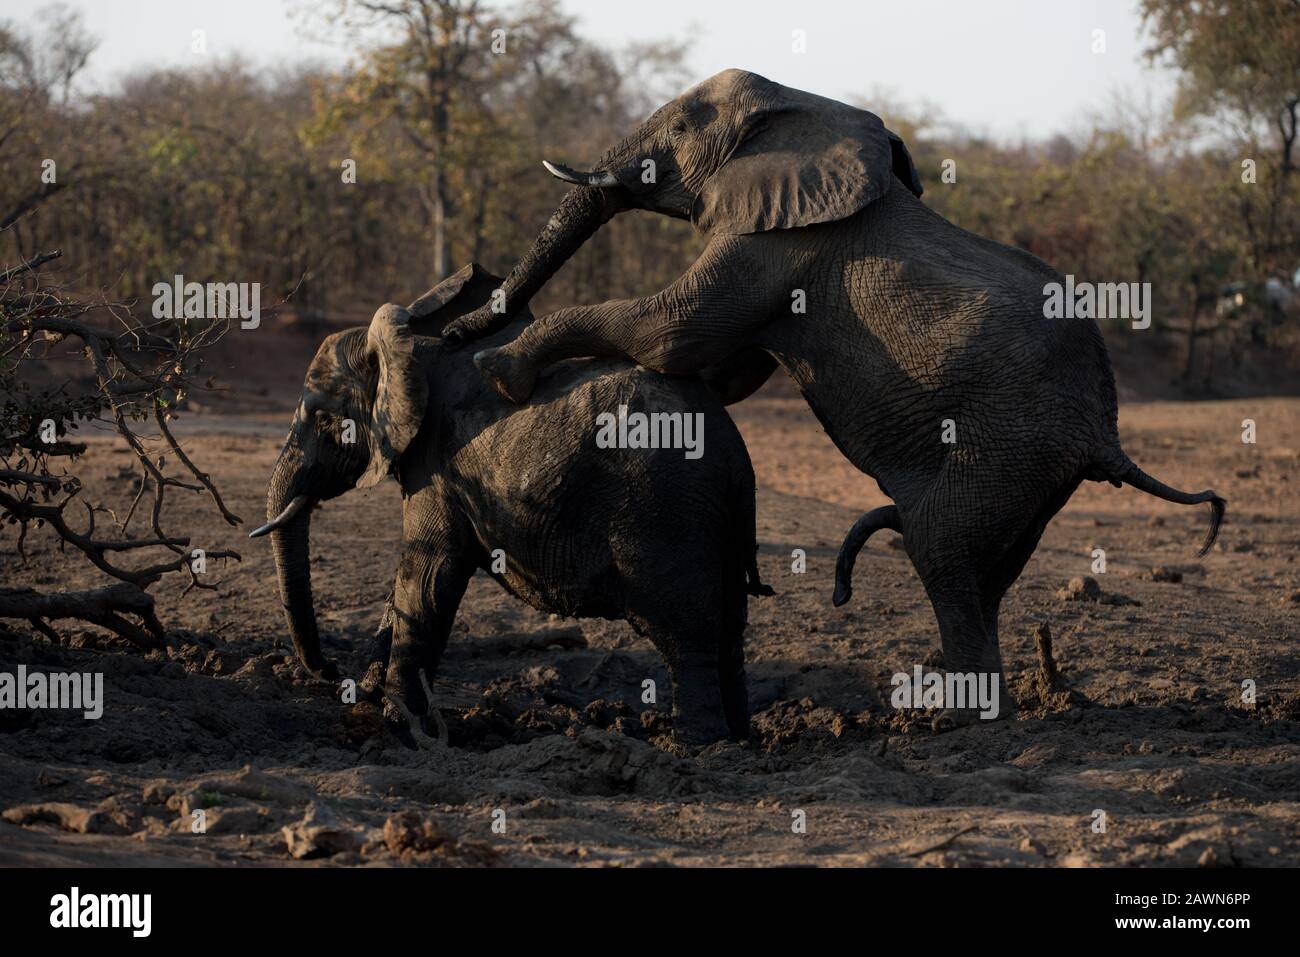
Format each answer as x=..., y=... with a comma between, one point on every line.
x=460, y=293
x=402, y=393
x=802, y=159
x=904, y=168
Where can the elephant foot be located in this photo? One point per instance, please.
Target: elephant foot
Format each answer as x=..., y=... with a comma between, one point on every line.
x=408, y=728
x=324, y=669
x=371, y=684
x=513, y=378
x=698, y=730
x=950, y=719
x=696, y=737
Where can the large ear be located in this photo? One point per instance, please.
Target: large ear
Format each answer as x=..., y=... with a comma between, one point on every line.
x=402, y=394
x=459, y=294
x=802, y=159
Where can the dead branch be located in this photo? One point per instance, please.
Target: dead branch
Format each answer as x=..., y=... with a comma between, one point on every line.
x=31, y=265
x=141, y=371
x=101, y=606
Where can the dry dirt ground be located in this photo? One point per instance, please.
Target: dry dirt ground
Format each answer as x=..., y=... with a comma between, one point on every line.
x=550, y=740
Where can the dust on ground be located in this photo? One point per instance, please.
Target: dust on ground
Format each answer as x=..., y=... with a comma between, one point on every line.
x=550, y=740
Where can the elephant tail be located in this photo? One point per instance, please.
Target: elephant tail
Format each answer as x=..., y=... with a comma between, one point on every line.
x=753, y=584
x=1118, y=469
x=873, y=521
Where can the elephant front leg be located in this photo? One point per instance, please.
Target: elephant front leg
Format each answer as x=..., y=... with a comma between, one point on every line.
x=377, y=655
x=426, y=597
x=702, y=319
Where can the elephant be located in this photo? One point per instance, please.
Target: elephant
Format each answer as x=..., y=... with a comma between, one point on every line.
x=924, y=350
x=661, y=538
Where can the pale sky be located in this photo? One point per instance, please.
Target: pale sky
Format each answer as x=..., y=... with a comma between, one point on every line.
x=1011, y=68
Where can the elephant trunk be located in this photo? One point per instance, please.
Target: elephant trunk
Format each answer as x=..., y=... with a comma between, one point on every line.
x=290, y=545
x=583, y=211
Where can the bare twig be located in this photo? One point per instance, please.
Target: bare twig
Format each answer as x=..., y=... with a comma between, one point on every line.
x=31, y=265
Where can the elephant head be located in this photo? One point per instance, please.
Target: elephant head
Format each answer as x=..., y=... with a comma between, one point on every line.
x=362, y=403
x=736, y=154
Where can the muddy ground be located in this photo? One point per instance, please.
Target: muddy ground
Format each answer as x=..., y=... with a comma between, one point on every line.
x=549, y=736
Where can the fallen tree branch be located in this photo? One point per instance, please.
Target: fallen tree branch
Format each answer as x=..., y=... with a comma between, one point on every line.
x=100, y=606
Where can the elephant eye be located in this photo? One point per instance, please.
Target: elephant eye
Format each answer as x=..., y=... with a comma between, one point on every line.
x=677, y=126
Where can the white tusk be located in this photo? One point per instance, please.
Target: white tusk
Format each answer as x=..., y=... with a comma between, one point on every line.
x=601, y=178
x=284, y=518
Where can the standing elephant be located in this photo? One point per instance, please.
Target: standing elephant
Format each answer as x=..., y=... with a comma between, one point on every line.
x=924, y=350
x=660, y=537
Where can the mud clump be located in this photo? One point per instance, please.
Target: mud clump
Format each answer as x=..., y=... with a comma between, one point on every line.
x=320, y=834
x=786, y=723
x=413, y=838
x=1044, y=691
x=67, y=817
x=1163, y=573
x=1087, y=589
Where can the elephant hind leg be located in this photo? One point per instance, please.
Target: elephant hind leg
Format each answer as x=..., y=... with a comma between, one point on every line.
x=967, y=584
x=952, y=554
x=969, y=647
x=691, y=646
x=731, y=668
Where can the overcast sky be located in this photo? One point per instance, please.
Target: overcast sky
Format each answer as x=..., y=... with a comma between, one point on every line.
x=1011, y=68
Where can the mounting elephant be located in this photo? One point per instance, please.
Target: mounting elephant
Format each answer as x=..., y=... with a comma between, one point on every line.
x=660, y=537
x=923, y=349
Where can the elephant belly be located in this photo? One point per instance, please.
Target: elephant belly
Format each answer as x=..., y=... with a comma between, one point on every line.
x=578, y=517
x=968, y=392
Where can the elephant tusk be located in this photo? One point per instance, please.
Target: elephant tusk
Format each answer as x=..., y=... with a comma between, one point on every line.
x=602, y=178
x=284, y=518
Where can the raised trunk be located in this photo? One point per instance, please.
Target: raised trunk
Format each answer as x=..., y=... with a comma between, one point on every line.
x=290, y=545
x=583, y=211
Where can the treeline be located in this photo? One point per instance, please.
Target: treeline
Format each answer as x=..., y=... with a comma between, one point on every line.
x=330, y=187
x=343, y=188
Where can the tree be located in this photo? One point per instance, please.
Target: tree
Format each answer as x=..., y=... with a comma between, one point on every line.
x=1240, y=62
x=138, y=374
x=430, y=69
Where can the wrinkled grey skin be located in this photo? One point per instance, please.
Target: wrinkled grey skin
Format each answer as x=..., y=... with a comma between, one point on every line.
x=910, y=321
x=646, y=535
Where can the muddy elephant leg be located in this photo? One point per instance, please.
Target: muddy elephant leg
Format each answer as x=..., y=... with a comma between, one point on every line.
x=377, y=655
x=950, y=552
x=698, y=713
x=701, y=320
x=429, y=587
x=1003, y=571
x=731, y=669
x=690, y=643
x=969, y=648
